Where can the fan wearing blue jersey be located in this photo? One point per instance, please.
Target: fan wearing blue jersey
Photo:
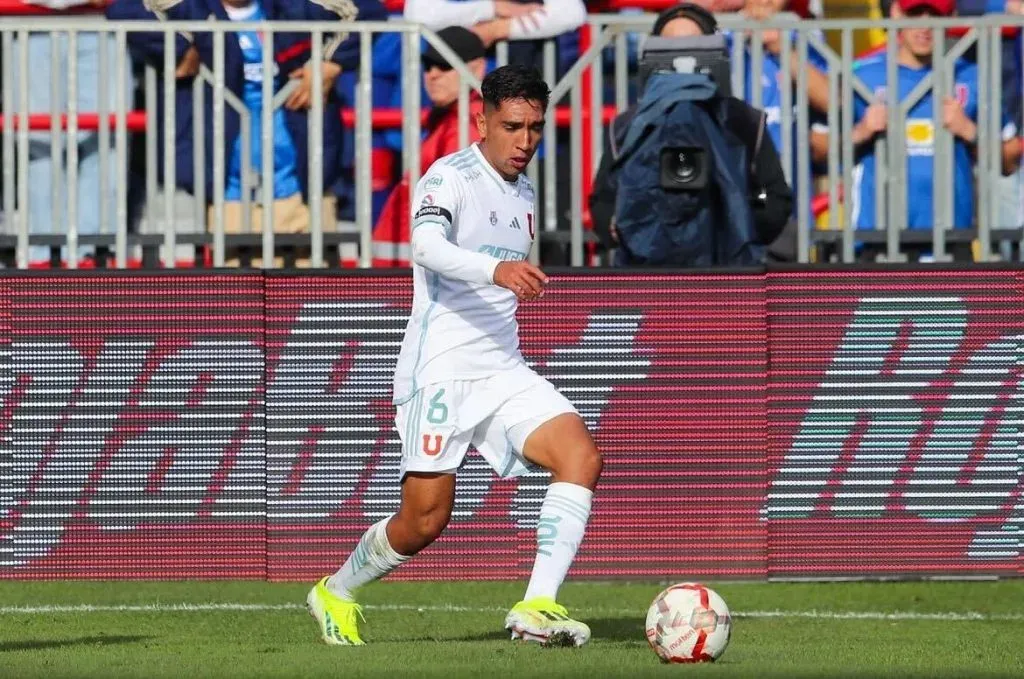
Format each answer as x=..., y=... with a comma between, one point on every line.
x=959, y=116
x=461, y=379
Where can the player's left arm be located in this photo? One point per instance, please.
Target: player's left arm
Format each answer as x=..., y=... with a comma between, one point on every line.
x=437, y=203
x=432, y=250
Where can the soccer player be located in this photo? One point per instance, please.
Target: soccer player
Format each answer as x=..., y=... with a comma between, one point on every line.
x=461, y=379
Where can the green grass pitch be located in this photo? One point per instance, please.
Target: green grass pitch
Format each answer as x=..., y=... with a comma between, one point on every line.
x=173, y=629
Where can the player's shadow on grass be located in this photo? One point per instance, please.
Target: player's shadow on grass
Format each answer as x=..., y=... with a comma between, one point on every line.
x=41, y=644
x=602, y=629
x=618, y=629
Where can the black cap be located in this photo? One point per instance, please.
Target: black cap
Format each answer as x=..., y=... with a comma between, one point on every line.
x=466, y=44
x=687, y=10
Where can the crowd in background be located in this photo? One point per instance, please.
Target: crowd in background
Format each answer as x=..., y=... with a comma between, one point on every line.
x=471, y=28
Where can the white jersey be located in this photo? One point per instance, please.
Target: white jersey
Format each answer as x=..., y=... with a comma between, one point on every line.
x=460, y=330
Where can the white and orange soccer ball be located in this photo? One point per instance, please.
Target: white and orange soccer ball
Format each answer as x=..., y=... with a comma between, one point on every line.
x=688, y=623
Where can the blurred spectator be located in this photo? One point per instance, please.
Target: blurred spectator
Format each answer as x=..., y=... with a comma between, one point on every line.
x=806, y=9
x=244, y=77
x=772, y=72
x=391, y=234
x=959, y=116
x=495, y=20
x=42, y=156
x=773, y=206
x=1011, y=59
x=1010, y=208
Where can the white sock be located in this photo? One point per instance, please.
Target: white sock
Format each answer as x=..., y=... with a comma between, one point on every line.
x=372, y=559
x=563, y=519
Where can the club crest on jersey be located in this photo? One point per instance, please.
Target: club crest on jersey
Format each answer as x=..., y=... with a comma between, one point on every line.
x=529, y=224
x=494, y=218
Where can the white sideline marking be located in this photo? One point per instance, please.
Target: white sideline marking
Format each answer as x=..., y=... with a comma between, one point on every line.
x=960, y=616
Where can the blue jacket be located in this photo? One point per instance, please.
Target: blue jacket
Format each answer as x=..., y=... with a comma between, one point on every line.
x=705, y=226
x=291, y=51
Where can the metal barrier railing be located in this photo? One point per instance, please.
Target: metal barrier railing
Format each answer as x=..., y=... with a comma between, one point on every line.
x=582, y=85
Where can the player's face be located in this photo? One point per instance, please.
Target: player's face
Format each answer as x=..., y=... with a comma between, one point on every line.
x=510, y=135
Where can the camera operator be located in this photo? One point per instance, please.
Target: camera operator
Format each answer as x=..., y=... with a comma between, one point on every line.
x=771, y=199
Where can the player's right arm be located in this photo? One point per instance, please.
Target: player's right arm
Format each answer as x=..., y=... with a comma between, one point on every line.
x=437, y=204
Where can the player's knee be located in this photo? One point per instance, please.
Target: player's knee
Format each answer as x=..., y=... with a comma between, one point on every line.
x=413, y=529
x=590, y=465
x=429, y=525
x=581, y=465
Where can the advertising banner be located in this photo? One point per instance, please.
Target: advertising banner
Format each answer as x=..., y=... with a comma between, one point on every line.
x=788, y=424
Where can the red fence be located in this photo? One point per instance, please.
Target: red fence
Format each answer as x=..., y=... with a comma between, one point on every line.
x=789, y=424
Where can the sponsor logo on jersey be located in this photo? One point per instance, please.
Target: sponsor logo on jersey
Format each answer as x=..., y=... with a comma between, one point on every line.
x=515, y=224
x=427, y=200
x=433, y=181
x=434, y=211
x=503, y=253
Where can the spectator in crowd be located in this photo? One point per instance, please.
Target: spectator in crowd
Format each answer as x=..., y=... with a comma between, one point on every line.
x=391, y=235
x=42, y=155
x=959, y=117
x=772, y=73
x=1010, y=207
x=495, y=20
x=771, y=214
x=244, y=77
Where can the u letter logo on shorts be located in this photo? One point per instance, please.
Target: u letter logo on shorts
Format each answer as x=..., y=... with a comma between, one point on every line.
x=429, y=449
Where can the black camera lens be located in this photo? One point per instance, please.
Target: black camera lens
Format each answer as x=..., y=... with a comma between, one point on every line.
x=684, y=168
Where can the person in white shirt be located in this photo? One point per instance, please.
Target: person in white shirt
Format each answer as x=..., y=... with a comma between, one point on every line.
x=461, y=379
x=495, y=20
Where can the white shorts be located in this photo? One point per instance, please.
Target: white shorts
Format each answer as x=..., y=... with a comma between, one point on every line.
x=495, y=415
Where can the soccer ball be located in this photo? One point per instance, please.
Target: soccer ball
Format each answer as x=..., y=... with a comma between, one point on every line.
x=688, y=623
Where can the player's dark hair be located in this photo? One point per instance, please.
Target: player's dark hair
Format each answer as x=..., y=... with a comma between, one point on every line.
x=512, y=82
